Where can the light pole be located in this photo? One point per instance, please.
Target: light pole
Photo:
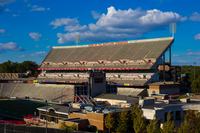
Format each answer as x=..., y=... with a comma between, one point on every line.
x=5, y=127
x=46, y=115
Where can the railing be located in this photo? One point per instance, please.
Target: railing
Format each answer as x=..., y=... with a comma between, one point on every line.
x=84, y=99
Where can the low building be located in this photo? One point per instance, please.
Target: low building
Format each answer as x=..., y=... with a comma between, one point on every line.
x=132, y=92
x=153, y=109
x=117, y=100
x=54, y=113
x=170, y=88
x=80, y=124
x=94, y=119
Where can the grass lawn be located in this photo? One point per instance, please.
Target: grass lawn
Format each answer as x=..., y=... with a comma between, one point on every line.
x=17, y=108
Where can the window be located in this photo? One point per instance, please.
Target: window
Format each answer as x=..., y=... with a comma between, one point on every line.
x=81, y=90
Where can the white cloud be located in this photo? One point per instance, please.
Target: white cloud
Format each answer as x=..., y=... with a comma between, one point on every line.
x=7, y=10
x=4, y=2
x=64, y=22
x=197, y=37
x=38, y=53
x=186, y=58
x=9, y=46
x=35, y=36
x=2, y=31
x=192, y=53
x=34, y=54
x=70, y=26
x=36, y=8
x=95, y=15
x=195, y=17
x=115, y=24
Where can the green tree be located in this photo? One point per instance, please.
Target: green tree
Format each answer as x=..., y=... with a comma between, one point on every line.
x=168, y=126
x=122, y=122
x=68, y=129
x=14, y=67
x=191, y=123
x=196, y=85
x=139, y=123
x=28, y=66
x=192, y=79
x=109, y=121
x=7, y=67
x=153, y=127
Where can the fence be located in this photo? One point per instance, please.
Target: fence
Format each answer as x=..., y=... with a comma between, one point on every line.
x=7, y=128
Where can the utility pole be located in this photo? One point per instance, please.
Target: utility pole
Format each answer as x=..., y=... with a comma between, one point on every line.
x=164, y=67
x=46, y=116
x=5, y=127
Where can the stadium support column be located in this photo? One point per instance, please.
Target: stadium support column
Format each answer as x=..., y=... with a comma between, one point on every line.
x=170, y=55
x=164, y=67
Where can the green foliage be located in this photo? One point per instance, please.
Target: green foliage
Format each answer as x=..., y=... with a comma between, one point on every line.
x=168, y=126
x=196, y=85
x=67, y=129
x=139, y=123
x=13, y=67
x=122, y=122
x=192, y=71
x=194, y=77
x=153, y=127
x=109, y=121
x=191, y=123
x=92, y=128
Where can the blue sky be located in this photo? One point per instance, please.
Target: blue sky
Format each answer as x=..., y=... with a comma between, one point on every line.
x=29, y=28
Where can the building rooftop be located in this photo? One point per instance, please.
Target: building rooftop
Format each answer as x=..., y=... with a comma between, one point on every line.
x=176, y=103
x=119, y=97
x=136, y=54
x=58, y=109
x=165, y=83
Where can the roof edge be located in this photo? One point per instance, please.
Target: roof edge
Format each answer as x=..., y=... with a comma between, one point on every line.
x=115, y=43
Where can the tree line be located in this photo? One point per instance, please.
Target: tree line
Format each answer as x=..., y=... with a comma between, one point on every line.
x=134, y=122
x=15, y=67
x=193, y=75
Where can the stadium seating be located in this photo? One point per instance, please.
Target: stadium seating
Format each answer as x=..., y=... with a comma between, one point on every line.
x=136, y=51
x=50, y=92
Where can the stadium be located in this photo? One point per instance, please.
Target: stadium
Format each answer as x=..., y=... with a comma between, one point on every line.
x=70, y=72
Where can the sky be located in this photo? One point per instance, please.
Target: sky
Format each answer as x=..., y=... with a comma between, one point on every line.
x=29, y=28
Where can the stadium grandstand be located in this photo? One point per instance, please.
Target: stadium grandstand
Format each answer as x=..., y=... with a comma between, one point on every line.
x=5, y=77
x=98, y=68
x=51, y=92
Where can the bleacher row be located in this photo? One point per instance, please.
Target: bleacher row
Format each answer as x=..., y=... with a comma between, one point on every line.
x=129, y=51
x=64, y=75
x=129, y=76
x=137, y=53
x=50, y=92
x=109, y=76
x=101, y=63
x=4, y=76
